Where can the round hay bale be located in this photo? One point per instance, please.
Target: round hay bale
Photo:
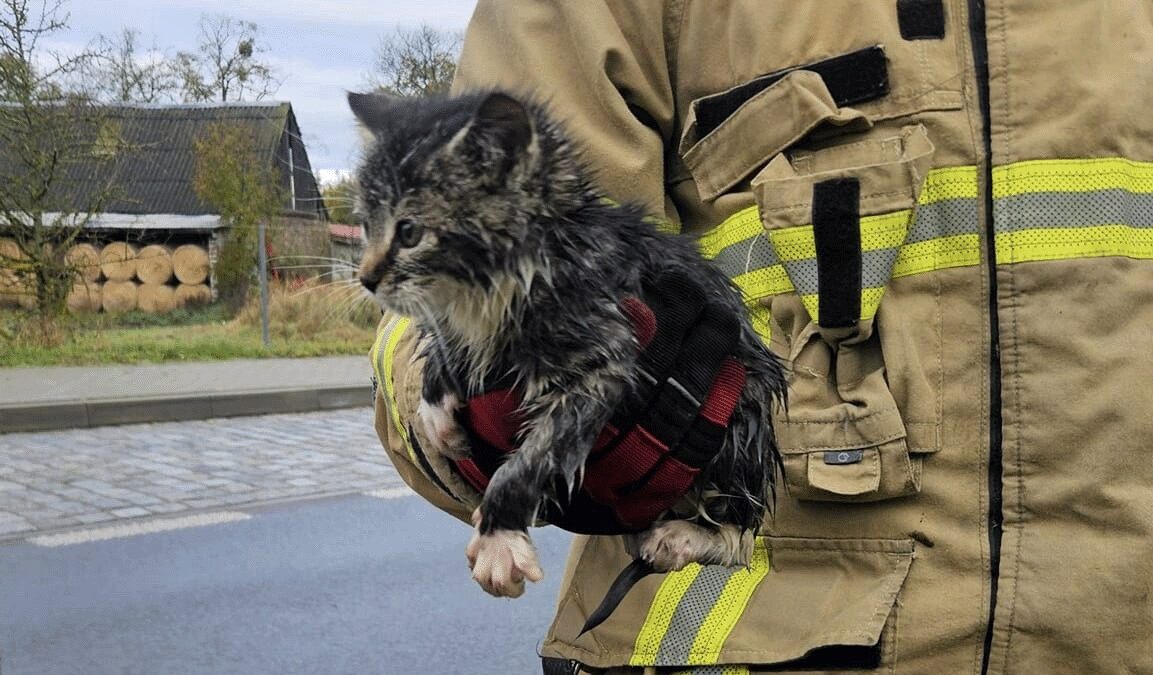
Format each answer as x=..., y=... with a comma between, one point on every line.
x=26, y=300
x=13, y=290
x=190, y=264
x=119, y=296
x=85, y=298
x=189, y=295
x=118, y=261
x=154, y=264
x=85, y=259
x=155, y=298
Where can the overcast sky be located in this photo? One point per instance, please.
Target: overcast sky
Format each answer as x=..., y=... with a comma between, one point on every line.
x=320, y=48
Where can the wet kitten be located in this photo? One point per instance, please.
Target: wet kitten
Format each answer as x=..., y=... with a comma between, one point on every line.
x=486, y=228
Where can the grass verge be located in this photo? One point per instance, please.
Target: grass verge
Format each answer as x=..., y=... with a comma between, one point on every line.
x=304, y=322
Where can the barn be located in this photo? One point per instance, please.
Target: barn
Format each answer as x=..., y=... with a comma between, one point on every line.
x=154, y=211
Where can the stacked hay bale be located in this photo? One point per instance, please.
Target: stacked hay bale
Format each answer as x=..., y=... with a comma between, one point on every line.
x=14, y=291
x=191, y=267
x=154, y=270
x=87, y=292
x=118, y=263
x=121, y=277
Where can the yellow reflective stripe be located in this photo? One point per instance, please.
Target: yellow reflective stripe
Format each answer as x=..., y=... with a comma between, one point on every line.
x=764, y=282
x=383, y=356
x=937, y=254
x=1072, y=175
x=887, y=230
x=660, y=614
x=741, y=226
x=794, y=243
x=759, y=316
x=955, y=182
x=870, y=302
x=377, y=351
x=729, y=608
x=1075, y=242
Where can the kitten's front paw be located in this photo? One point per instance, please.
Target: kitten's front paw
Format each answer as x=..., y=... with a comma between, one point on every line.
x=441, y=428
x=501, y=560
x=671, y=545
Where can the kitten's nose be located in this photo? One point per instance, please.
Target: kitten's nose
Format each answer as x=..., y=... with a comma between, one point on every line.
x=370, y=282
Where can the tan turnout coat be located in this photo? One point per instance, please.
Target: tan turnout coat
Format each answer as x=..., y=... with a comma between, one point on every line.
x=969, y=457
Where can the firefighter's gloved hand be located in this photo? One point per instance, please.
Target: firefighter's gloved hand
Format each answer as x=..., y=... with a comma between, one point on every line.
x=647, y=457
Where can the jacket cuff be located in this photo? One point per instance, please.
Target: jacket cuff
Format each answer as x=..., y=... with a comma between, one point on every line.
x=398, y=368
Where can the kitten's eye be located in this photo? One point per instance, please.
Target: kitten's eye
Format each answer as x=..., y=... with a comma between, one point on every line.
x=408, y=233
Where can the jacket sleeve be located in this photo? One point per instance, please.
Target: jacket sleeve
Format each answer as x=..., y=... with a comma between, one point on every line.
x=397, y=365
x=600, y=67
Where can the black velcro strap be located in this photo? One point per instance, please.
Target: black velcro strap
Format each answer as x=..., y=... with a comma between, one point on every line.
x=921, y=19
x=855, y=77
x=837, y=231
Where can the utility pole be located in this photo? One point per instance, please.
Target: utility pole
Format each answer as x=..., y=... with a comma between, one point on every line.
x=263, y=257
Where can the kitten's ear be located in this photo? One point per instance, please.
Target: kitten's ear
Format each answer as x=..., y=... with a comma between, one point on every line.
x=503, y=122
x=371, y=109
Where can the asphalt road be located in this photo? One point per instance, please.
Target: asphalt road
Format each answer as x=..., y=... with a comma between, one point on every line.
x=353, y=584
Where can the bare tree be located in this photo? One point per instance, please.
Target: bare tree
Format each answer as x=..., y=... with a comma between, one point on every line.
x=122, y=71
x=416, y=62
x=56, y=152
x=226, y=65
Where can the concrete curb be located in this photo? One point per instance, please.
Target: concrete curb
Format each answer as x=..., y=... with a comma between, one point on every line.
x=57, y=415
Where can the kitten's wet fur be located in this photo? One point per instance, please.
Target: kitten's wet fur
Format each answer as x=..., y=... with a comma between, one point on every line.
x=485, y=226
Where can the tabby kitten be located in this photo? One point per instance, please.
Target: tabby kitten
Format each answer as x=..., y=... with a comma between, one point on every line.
x=485, y=227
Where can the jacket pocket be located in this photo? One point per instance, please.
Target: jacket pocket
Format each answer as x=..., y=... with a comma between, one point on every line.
x=801, y=604
x=836, y=219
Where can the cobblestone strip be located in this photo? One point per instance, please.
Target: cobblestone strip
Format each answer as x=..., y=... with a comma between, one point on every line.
x=63, y=479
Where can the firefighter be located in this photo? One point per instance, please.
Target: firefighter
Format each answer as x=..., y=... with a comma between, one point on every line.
x=967, y=477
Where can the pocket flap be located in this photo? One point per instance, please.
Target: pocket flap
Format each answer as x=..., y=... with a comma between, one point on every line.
x=770, y=121
x=859, y=473
x=800, y=602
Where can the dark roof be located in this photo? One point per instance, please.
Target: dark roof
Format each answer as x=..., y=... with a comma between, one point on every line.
x=155, y=175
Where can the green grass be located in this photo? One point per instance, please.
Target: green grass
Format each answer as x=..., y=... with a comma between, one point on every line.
x=302, y=325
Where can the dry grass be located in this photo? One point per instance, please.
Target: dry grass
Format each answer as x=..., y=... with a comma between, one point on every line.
x=311, y=319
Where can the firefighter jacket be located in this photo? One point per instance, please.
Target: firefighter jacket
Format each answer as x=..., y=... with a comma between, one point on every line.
x=941, y=212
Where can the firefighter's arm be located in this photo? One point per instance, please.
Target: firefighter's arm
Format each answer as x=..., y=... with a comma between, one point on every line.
x=398, y=371
x=600, y=66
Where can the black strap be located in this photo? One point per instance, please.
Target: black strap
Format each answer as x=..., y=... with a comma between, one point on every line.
x=837, y=231
x=834, y=657
x=554, y=666
x=426, y=467
x=852, y=78
x=921, y=19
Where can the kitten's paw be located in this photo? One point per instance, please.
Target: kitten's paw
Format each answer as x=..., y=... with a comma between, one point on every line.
x=501, y=560
x=671, y=545
x=441, y=428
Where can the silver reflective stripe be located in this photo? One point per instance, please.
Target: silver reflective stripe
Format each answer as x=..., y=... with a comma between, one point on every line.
x=1039, y=210
x=690, y=615
x=947, y=218
x=753, y=253
x=876, y=269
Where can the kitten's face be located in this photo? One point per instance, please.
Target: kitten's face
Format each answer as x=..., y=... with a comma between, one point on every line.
x=439, y=196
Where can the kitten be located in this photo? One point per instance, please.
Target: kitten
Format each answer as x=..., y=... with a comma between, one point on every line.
x=484, y=225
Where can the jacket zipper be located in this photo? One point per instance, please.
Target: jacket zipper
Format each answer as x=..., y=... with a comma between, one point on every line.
x=996, y=517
